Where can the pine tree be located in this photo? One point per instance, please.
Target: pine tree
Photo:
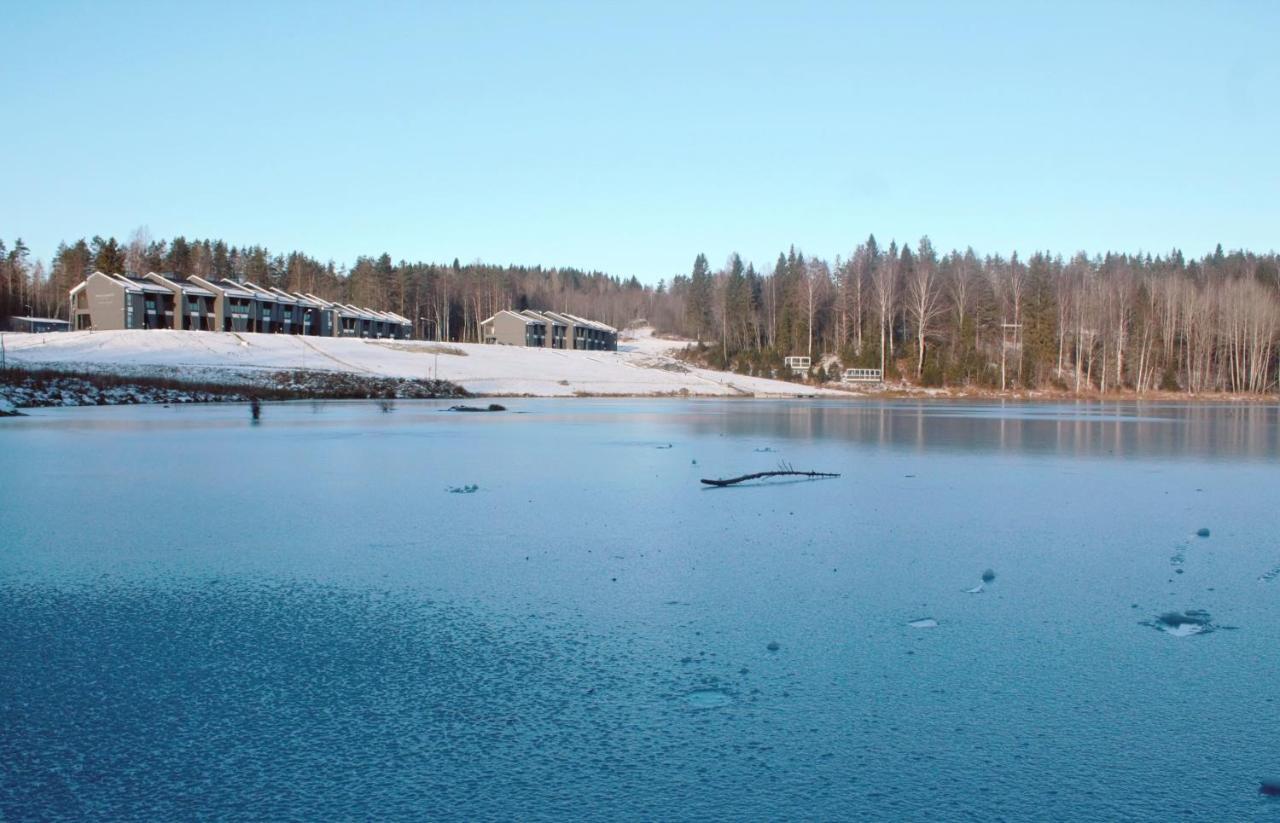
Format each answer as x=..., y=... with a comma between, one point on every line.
x=698, y=307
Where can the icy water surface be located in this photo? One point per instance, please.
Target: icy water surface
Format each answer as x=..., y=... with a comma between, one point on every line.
x=356, y=612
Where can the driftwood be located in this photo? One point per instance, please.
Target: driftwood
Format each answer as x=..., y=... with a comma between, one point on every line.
x=783, y=470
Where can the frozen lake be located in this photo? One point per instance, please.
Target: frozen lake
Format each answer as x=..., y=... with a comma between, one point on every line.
x=202, y=617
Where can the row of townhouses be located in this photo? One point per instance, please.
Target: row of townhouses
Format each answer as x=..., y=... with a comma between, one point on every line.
x=154, y=301
x=548, y=329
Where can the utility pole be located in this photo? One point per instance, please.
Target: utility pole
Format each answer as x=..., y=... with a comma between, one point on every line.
x=1005, y=328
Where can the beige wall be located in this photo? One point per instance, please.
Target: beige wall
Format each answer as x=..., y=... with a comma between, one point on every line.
x=106, y=302
x=508, y=329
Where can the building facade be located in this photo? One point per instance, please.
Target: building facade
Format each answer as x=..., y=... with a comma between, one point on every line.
x=548, y=329
x=155, y=301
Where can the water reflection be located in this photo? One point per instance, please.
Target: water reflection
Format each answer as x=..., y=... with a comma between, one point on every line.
x=1079, y=430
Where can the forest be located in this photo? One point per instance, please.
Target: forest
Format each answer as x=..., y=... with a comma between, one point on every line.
x=1084, y=324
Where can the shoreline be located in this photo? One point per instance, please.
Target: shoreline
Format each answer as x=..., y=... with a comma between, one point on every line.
x=644, y=367
x=22, y=389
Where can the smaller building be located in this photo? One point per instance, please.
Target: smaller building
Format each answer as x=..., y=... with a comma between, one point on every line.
x=37, y=325
x=548, y=329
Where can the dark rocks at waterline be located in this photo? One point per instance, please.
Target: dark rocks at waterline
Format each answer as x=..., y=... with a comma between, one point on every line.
x=492, y=407
x=988, y=576
x=1202, y=532
x=36, y=388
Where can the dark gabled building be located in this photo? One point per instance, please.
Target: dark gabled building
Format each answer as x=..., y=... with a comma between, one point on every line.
x=548, y=329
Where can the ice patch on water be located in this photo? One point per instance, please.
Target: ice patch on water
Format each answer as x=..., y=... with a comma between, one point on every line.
x=708, y=698
x=978, y=589
x=1184, y=624
x=923, y=623
x=1183, y=629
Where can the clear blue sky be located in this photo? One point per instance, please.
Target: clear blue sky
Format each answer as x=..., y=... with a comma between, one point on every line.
x=630, y=139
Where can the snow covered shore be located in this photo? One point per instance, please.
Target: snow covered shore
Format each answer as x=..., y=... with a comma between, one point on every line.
x=644, y=364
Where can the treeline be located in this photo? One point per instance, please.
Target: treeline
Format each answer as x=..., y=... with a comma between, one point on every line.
x=1098, y=323
x=445, y=301
x=1084, y=324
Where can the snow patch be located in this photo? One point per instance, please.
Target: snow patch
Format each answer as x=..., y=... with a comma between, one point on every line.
x=644, y=365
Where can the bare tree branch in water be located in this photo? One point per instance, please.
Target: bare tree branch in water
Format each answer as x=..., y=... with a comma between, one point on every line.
x=783, y=470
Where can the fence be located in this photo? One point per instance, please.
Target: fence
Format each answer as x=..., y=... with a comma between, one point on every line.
x=862, y=376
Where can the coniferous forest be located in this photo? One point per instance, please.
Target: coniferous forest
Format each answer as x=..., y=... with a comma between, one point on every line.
x=1102, y=323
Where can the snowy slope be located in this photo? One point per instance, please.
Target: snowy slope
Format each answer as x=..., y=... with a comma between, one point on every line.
x=642, y=366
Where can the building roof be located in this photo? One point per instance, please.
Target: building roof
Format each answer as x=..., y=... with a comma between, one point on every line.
x=545, y=318
x=228, y=288
x=575, y=320
x=181, y=284
x=363, y=314
x=260, y=293
x=283, y=296
x=392, y=317
x=41, y=320
x=526, y=320
x=135, y=284
x=304, y=300
x=605, y=327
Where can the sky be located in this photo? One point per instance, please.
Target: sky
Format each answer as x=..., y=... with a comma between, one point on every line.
x=628, y=138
